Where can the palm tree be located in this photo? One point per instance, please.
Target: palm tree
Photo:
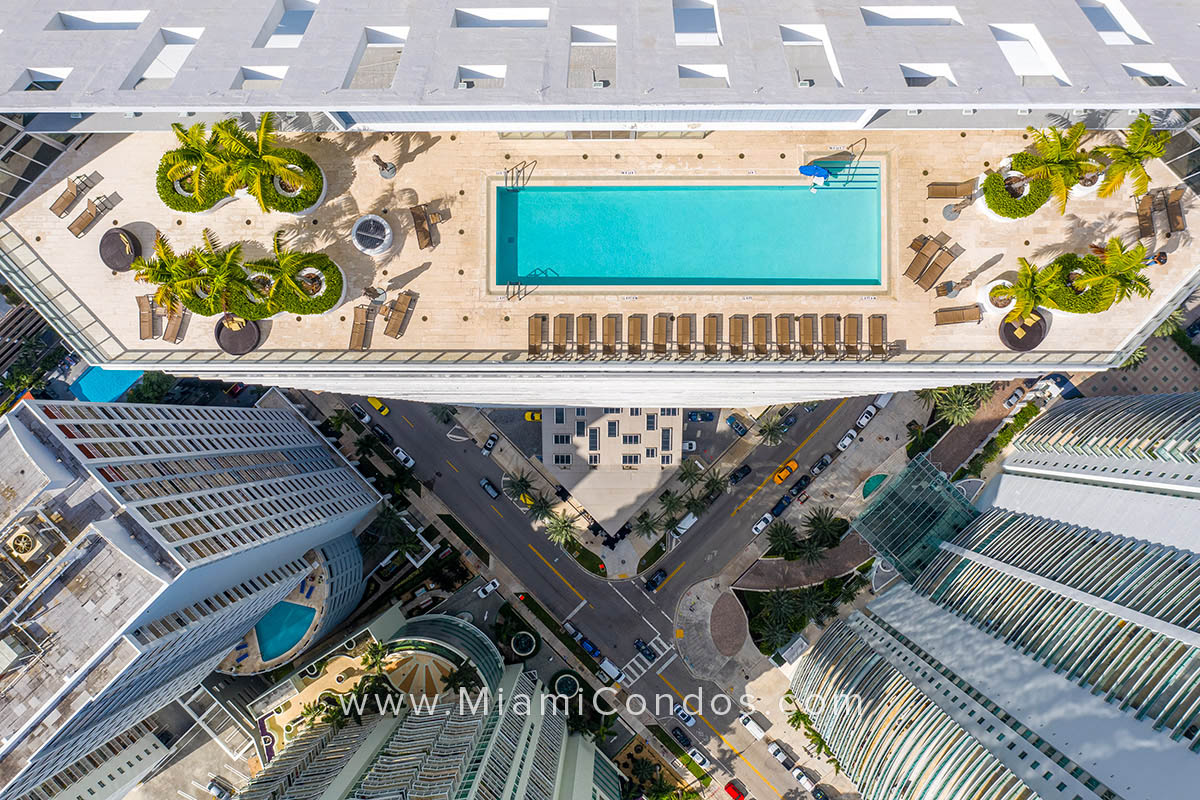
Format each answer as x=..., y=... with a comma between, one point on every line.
x=782, y=537
x=980, y=392
x=916, y=432
x=253, y=161
x=648, y=525
x=464, y=677
x=176, y=276
x=310, y=713
x=442, y=413
x=824, y=525
x=808, y=602
x=771, y=431
x=285, y=270
x=643, y=769
x=1171, y=324
x=392, y=533
x=542, y=508
x=779, y=605
x=222, y=275
x=1060, y=160
x=930, y=397
x=672, y=502
x=374, y=656
x=696, y=504
x=363, y=447
x=957, y=409
x=716, y=481
x=1129, y=159
x=517, y=485
x=1137, y=356
x=560, y=528
x=1029, y=290
x=199, y=156
x=772, y=633
x=691, y=472
x=332, y=714
x=809, y=551
x=339, y=420
x=1122, y=267
x=605, y=728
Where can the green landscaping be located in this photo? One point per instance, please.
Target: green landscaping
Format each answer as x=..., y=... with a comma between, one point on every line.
x=778, y=615
x=467, y=538
x=586, y=558
x=655, y=552
x=994, y=446
x=672, y=745
x=1003, y=204
x=1185, y=343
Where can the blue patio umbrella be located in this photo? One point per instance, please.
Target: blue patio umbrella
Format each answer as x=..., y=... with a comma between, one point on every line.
x=814, y=171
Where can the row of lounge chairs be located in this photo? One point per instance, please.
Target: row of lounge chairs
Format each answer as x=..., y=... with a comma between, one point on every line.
x=931, y=260
x=75, y=189
x=748, y=336
x=1168, y=201
x=395, y=312
x=148, y=310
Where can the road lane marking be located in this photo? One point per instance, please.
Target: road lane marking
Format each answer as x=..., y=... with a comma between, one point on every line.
x=498, y=514
x=664, y=616
x=556, y=572
x=664, y=664
x=623, y=597
x=575, y=610
x=790, y=456
x=672, y=575
x=718, y=733
x=406, y=419
x=451, y=465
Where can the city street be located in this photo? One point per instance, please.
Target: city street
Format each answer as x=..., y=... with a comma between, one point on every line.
x=613, y=613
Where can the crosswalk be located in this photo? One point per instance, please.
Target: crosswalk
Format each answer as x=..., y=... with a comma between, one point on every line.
x=639, y=666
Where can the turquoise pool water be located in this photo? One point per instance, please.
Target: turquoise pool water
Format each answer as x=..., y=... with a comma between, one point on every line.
x=100, y=385
x=759, y=234
x=283, y=626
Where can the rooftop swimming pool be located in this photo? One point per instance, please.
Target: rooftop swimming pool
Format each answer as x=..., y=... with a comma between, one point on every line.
x=282, y=628
x=692, y=234
x=99, y=385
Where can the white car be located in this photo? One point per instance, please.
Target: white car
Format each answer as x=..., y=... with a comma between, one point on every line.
x=684, y=716
x=219, y=789
x=1014, y=398
x=868, y=414
x=848, y=439
x=689, y=446
x=488, y=588
x=762, y=523
x=698, y=757
x=403, y=457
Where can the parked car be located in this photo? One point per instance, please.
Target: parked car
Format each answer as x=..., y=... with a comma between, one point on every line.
x=800, y=485
x=736, y=424
x=1014, y=398
x=403, y=457
x=359, y=414
x=1193, y=330
x=678, y=735
x=486, y=450
x=819, y=794
x=701, y=416
x=572, y=631
x=780, y=755
x=379, y=406
x=701, y=761
x=805, y=783
x=847, y=440
x=819, y=467
x=489, y=488
x=689, y=446
x=589, y=648
x=656, y=580
x=762, y=523
x=383, y=435
x=784, y=472
x=645, y=650
x=533, y=416
x=684, y=716
x=733, y=791
x=868, y=414
x=219, y=788
x=802, y=498
x=236, y=389
x=781, y=506
x=788, y=422
x=739, y=474
x=488, y=588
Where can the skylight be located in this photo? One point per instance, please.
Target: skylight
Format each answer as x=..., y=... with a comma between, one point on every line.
x=1113, y=22
x=501, y=17
x=163, y=58
x=927, y=74
x=1028, y=54
x=696, y=22
x=267, y=77
x=374, y=65
x=289, y=28
x=481, y=76
x=887, y=16
x=109, y=20
x=1155, y=74
x=797, y=39
x=704, y=76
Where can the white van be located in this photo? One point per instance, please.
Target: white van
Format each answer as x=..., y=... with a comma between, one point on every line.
x=684, y=524
x=883, y=399
x=611, y=670
x=749, y=724
x=805, y=783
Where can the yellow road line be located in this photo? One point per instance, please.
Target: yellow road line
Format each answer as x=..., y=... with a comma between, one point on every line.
x=791, y=455
x=406, y=419
x=498, y=514
x=451, y=465
x=718, y=733
x=556, y=572
x=672, y=575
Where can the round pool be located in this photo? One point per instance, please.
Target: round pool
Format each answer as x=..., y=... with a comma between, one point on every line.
x=282, y=629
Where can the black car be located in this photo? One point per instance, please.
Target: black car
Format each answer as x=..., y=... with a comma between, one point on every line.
x=819, y=467
x=781, y=506
x=383, y=435
x=739, y=474
x=788, y=422
x=819, y=794
x=656, y=580
x=489, y=487
x=645, y=650
x=800, y=485
x=1193, y=330
x=359, y=414
x=701, y=416
x=681, y=737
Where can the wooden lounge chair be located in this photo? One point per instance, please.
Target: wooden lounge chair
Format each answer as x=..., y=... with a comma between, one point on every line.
x=852, y=336
x=81, y=223
x=918, y=242
x=685, y=334
x=636, y=335
x=145, y=316
x=397, y=311
x=585, y=332
x=537, y=333
x=783, y=334
x=941, y=262
x=562, y=324
x=830, y=323
x=421, y=227
x=922, y=258
x=762, y=324
x=1145, y=215
x=951, y=191
x=65, y=200
x=808, y=335
x=737, y=335
x=358, y=332
x=878, y=340
x=610, y=334
x=954, y=316
x=1175, y=218
x=174, y=325
x=712, y=334
x=661, y=324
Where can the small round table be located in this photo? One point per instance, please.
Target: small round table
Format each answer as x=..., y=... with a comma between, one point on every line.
x=119, y=249
x=240, y=342
x=1031, y=337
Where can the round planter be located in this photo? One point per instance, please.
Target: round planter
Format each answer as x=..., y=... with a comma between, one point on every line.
x=1080, y=190
x=524, y=644
x=983, y=206
x=566, y=685
x=985, y=297
x=320, y=198
x=316, y=273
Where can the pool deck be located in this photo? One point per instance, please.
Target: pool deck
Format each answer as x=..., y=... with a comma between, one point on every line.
x=254, y=662
x=458, y=316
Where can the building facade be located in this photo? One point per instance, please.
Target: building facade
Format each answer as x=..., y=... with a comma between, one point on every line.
x=126, y=576
x=1054, y=631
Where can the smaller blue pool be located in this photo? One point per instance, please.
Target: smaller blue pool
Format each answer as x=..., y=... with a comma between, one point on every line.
x=282, y=628
x=99, y=385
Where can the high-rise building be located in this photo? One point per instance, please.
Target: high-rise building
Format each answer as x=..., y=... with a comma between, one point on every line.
x=140, y=544
x=1050, y=647
x=513, y=744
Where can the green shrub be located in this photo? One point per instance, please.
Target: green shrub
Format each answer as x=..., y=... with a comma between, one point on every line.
x=993, y=447
x=1185, y=343
x=1062, y=296
x=1005, y=205
x=210, y=193
x=307, y=197
x=285, y=300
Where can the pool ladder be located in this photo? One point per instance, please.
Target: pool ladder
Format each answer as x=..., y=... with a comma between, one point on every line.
x=516, y=177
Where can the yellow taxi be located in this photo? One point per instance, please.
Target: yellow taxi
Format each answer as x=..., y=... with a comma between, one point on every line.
x=379, y=406
x=787, y=469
